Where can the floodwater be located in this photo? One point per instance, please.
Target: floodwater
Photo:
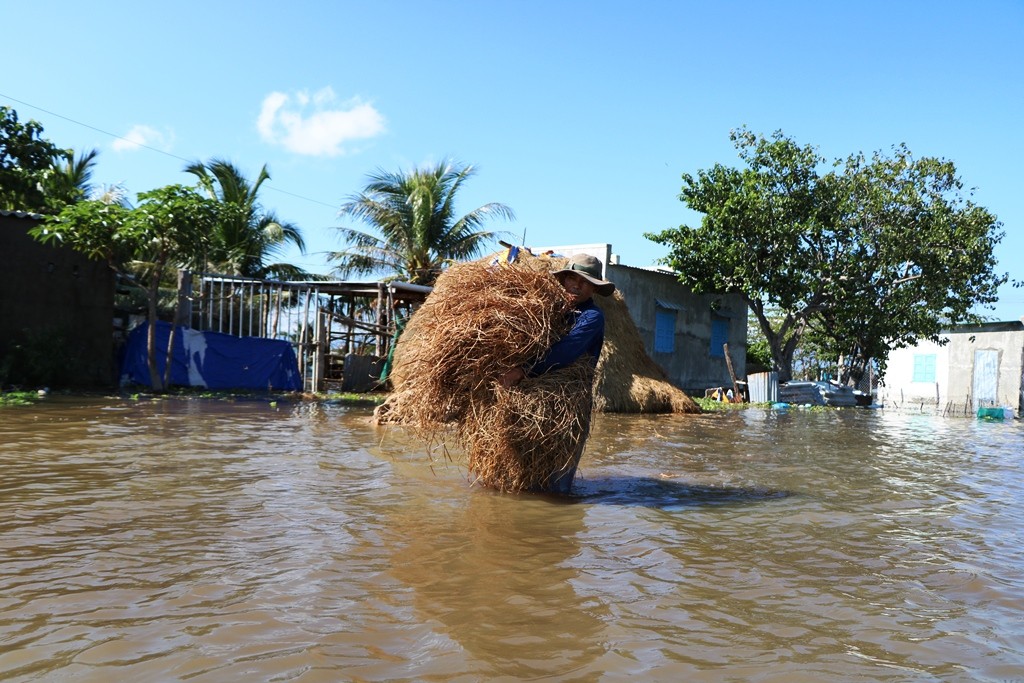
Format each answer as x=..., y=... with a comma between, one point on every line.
x=206, y=540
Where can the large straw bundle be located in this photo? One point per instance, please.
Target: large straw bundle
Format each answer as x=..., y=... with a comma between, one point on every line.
x=627, y=381
x=482, y=320
x=478, y=317
x=479, y=322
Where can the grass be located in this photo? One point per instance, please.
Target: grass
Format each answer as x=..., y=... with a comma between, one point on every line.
x=26, y=398
x=18, y=398
x=710, y=405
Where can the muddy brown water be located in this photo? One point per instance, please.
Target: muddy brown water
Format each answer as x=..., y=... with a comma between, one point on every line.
x=213, y=541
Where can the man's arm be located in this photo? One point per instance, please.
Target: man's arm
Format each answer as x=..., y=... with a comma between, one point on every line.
x=589, y=327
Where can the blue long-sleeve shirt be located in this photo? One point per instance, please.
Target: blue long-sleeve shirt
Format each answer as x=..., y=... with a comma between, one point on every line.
x=586, y=336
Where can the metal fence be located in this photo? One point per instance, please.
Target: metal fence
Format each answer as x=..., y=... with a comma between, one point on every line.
x=326, y=322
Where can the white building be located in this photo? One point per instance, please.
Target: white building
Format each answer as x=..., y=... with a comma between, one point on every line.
x=978, y=366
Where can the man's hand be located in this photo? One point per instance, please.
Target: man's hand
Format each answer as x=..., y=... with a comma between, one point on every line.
x=512, y=377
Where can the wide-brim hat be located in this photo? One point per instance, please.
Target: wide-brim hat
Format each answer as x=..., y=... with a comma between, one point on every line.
x=589, y=268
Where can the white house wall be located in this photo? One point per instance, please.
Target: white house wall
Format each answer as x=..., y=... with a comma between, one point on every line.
x=1008, y=345
x=898, y=388
x=952, y=393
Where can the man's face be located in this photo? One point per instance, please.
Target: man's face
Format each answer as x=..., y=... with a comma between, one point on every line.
x=580, y=288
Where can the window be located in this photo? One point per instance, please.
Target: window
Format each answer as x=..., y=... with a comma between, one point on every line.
x=924, y=367
x=719, y=337
x=664, y=330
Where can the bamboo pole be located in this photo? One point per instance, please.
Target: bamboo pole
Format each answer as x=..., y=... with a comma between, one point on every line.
x=737, y=397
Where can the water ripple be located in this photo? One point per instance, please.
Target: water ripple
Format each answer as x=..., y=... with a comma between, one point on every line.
x=210, y=541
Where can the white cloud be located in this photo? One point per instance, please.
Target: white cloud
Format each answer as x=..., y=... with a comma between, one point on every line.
x=316, y=125
x=142, y=135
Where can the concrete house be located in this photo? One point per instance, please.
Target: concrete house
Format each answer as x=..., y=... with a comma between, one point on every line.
x=683, y=332
x=979, y=366
x=56, y=309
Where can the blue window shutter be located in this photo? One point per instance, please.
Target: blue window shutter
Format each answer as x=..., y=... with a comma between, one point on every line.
x=719, y=337
x=664, y=331
x=924, y=367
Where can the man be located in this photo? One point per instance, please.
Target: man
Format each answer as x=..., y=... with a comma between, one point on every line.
x=582, y=279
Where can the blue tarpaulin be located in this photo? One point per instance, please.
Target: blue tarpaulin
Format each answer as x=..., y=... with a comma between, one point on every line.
x=213, y=360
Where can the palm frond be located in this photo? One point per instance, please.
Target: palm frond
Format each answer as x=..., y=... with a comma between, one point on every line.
x=247, y=235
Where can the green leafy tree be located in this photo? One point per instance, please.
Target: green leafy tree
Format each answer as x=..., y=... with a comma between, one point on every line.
x=168, y=230
x=873, y=253
x=418, y=231
x=94, y=228
x=26, y=162
x=171, y=227
x=247, y=236
x=923, y=257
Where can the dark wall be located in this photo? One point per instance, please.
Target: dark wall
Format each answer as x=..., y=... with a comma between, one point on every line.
x=691, y=366
x=56, y=311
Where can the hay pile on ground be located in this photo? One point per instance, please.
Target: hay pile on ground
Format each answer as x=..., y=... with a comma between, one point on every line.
x=479, y=322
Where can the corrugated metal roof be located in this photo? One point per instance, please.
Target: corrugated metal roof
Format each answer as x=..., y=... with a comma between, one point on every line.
x=21, y=214
x=661, y=270
x=1000, y=326
x=668, y=305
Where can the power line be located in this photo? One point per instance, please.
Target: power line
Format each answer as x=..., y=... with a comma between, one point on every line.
x=299, y=196
x=98, y=130
x=152, y=149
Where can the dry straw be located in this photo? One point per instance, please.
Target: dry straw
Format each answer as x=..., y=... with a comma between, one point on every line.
x=628, y=380
x=479, y=322
x=534, y=431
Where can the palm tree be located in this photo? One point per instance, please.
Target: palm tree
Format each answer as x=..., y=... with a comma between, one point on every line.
x=247, y=234
x=415, y=216
x=70, y=180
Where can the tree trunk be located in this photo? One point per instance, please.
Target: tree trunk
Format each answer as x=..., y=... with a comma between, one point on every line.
x=183, y=311
x=855, y=371
x=782, y=347
x=169, y=357
x=783, y=357
x=154, y=373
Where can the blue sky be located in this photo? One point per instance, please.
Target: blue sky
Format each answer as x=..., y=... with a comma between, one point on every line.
x=579, y=116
